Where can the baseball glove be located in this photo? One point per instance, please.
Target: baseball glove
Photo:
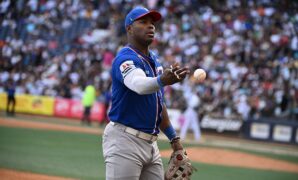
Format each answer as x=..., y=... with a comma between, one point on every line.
x=179, y=167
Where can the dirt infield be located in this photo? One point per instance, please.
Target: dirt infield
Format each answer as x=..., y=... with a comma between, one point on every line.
x=7, y=174
x=235, y=159
x=47, y=126
x=203, y=155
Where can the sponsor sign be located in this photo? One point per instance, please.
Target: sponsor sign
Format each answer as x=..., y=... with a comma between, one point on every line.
x=76, y=109
x=98, y=112
x=282, y=133
x=62, y=107
x=41, y=105
x=3, y=101
x=260, y=130
x=221, y=125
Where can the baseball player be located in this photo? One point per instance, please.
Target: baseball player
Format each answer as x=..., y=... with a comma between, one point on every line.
x=138, y=111
x=190, y=115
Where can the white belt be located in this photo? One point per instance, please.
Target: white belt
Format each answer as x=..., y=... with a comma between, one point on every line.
x=140, y=134
x=137, y=133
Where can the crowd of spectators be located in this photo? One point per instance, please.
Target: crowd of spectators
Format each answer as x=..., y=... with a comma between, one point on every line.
x=248, y=48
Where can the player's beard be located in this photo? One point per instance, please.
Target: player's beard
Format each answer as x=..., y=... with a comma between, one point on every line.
x=148, y=42
x=144, y=40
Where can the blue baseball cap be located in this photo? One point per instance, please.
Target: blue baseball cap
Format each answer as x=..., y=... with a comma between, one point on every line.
x=140, y=12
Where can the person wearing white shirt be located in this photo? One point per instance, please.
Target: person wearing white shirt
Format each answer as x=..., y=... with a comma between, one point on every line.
x=191, y=116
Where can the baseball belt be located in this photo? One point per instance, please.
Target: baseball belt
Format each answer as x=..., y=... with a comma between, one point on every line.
x=137, y=133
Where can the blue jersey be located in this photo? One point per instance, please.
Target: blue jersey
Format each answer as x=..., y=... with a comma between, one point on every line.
x=141, y=112
x=10, y=89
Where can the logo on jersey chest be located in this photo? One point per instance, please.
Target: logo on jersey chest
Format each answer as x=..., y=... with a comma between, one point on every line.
x=159, y=70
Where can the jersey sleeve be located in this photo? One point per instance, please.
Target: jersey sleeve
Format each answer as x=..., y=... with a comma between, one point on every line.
x=124, y=65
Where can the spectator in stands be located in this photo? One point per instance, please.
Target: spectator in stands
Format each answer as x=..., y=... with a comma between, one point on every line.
x=247, y=47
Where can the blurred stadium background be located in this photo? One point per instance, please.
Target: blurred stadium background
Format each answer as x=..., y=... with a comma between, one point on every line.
x=51, y=49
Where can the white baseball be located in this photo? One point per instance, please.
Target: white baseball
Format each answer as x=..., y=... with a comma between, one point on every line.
x=199, y=75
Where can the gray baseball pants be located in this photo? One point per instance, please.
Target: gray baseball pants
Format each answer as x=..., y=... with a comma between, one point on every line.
x=128, y=157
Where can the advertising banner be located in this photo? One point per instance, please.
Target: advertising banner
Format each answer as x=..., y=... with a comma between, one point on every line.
x=98, y=112
x=3, y=101
x=260, y=130
x=62, y=107
x=74, y=109
x=41, y=105
x=282, y=133
x=285, y=131
x=221, y=124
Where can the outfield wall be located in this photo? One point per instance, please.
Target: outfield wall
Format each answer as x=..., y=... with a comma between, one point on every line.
x=49, y=106
x=41, y=105
x=283, y=131
x=267, y=130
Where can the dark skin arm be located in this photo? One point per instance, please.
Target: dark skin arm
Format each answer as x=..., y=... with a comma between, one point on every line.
x=174, y=74
x=176, y=145
x=171, y=76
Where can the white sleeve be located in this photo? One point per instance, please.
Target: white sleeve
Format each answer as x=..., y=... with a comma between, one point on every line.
x=137, y=81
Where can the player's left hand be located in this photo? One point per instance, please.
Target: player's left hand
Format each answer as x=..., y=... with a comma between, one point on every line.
x=174, y=74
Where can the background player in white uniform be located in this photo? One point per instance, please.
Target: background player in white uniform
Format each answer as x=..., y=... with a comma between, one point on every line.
x=190, y=115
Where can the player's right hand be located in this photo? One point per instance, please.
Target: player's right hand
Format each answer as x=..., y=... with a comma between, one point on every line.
x=174, y=74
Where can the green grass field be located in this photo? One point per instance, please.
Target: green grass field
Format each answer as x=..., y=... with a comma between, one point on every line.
x=78, y=155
